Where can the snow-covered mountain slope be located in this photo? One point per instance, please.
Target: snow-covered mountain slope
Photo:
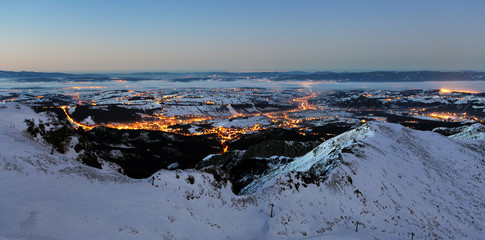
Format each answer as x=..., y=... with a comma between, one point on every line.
x=392, y=180
x=52, y=196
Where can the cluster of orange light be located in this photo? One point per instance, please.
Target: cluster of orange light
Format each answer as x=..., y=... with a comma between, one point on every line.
x=452, y=117
x=7, y=100
x=439, y=116
x=226, y=134
x=418, y=109
x=223, y=134
x=304, y=105
x=444, y=90
x=163, y=123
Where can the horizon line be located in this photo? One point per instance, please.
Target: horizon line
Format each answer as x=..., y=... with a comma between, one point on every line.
x=229, y=71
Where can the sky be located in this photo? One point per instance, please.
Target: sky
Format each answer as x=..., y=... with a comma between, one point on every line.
x=264, y=35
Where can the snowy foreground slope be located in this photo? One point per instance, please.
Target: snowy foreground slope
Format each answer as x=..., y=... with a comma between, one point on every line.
x=392, y=180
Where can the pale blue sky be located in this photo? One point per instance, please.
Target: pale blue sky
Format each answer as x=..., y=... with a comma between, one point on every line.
x=276, y=35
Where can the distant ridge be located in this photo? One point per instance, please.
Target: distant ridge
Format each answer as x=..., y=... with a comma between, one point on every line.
x=13, y=74
x=372, y=76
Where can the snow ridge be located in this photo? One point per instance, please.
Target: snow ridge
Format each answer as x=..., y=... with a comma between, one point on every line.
x=320, y=160
x=474, y=131
x=395, y=180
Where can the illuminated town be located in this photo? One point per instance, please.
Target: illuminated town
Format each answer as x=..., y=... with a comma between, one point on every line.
x=226, y=114
x=302, y=113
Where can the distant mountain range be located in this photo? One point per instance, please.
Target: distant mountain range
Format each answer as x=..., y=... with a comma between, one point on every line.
x=375, y=76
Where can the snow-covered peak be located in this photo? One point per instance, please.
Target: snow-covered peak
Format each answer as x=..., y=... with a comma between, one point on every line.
x=390, y=177
x=321, y=159
x=379, y=136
